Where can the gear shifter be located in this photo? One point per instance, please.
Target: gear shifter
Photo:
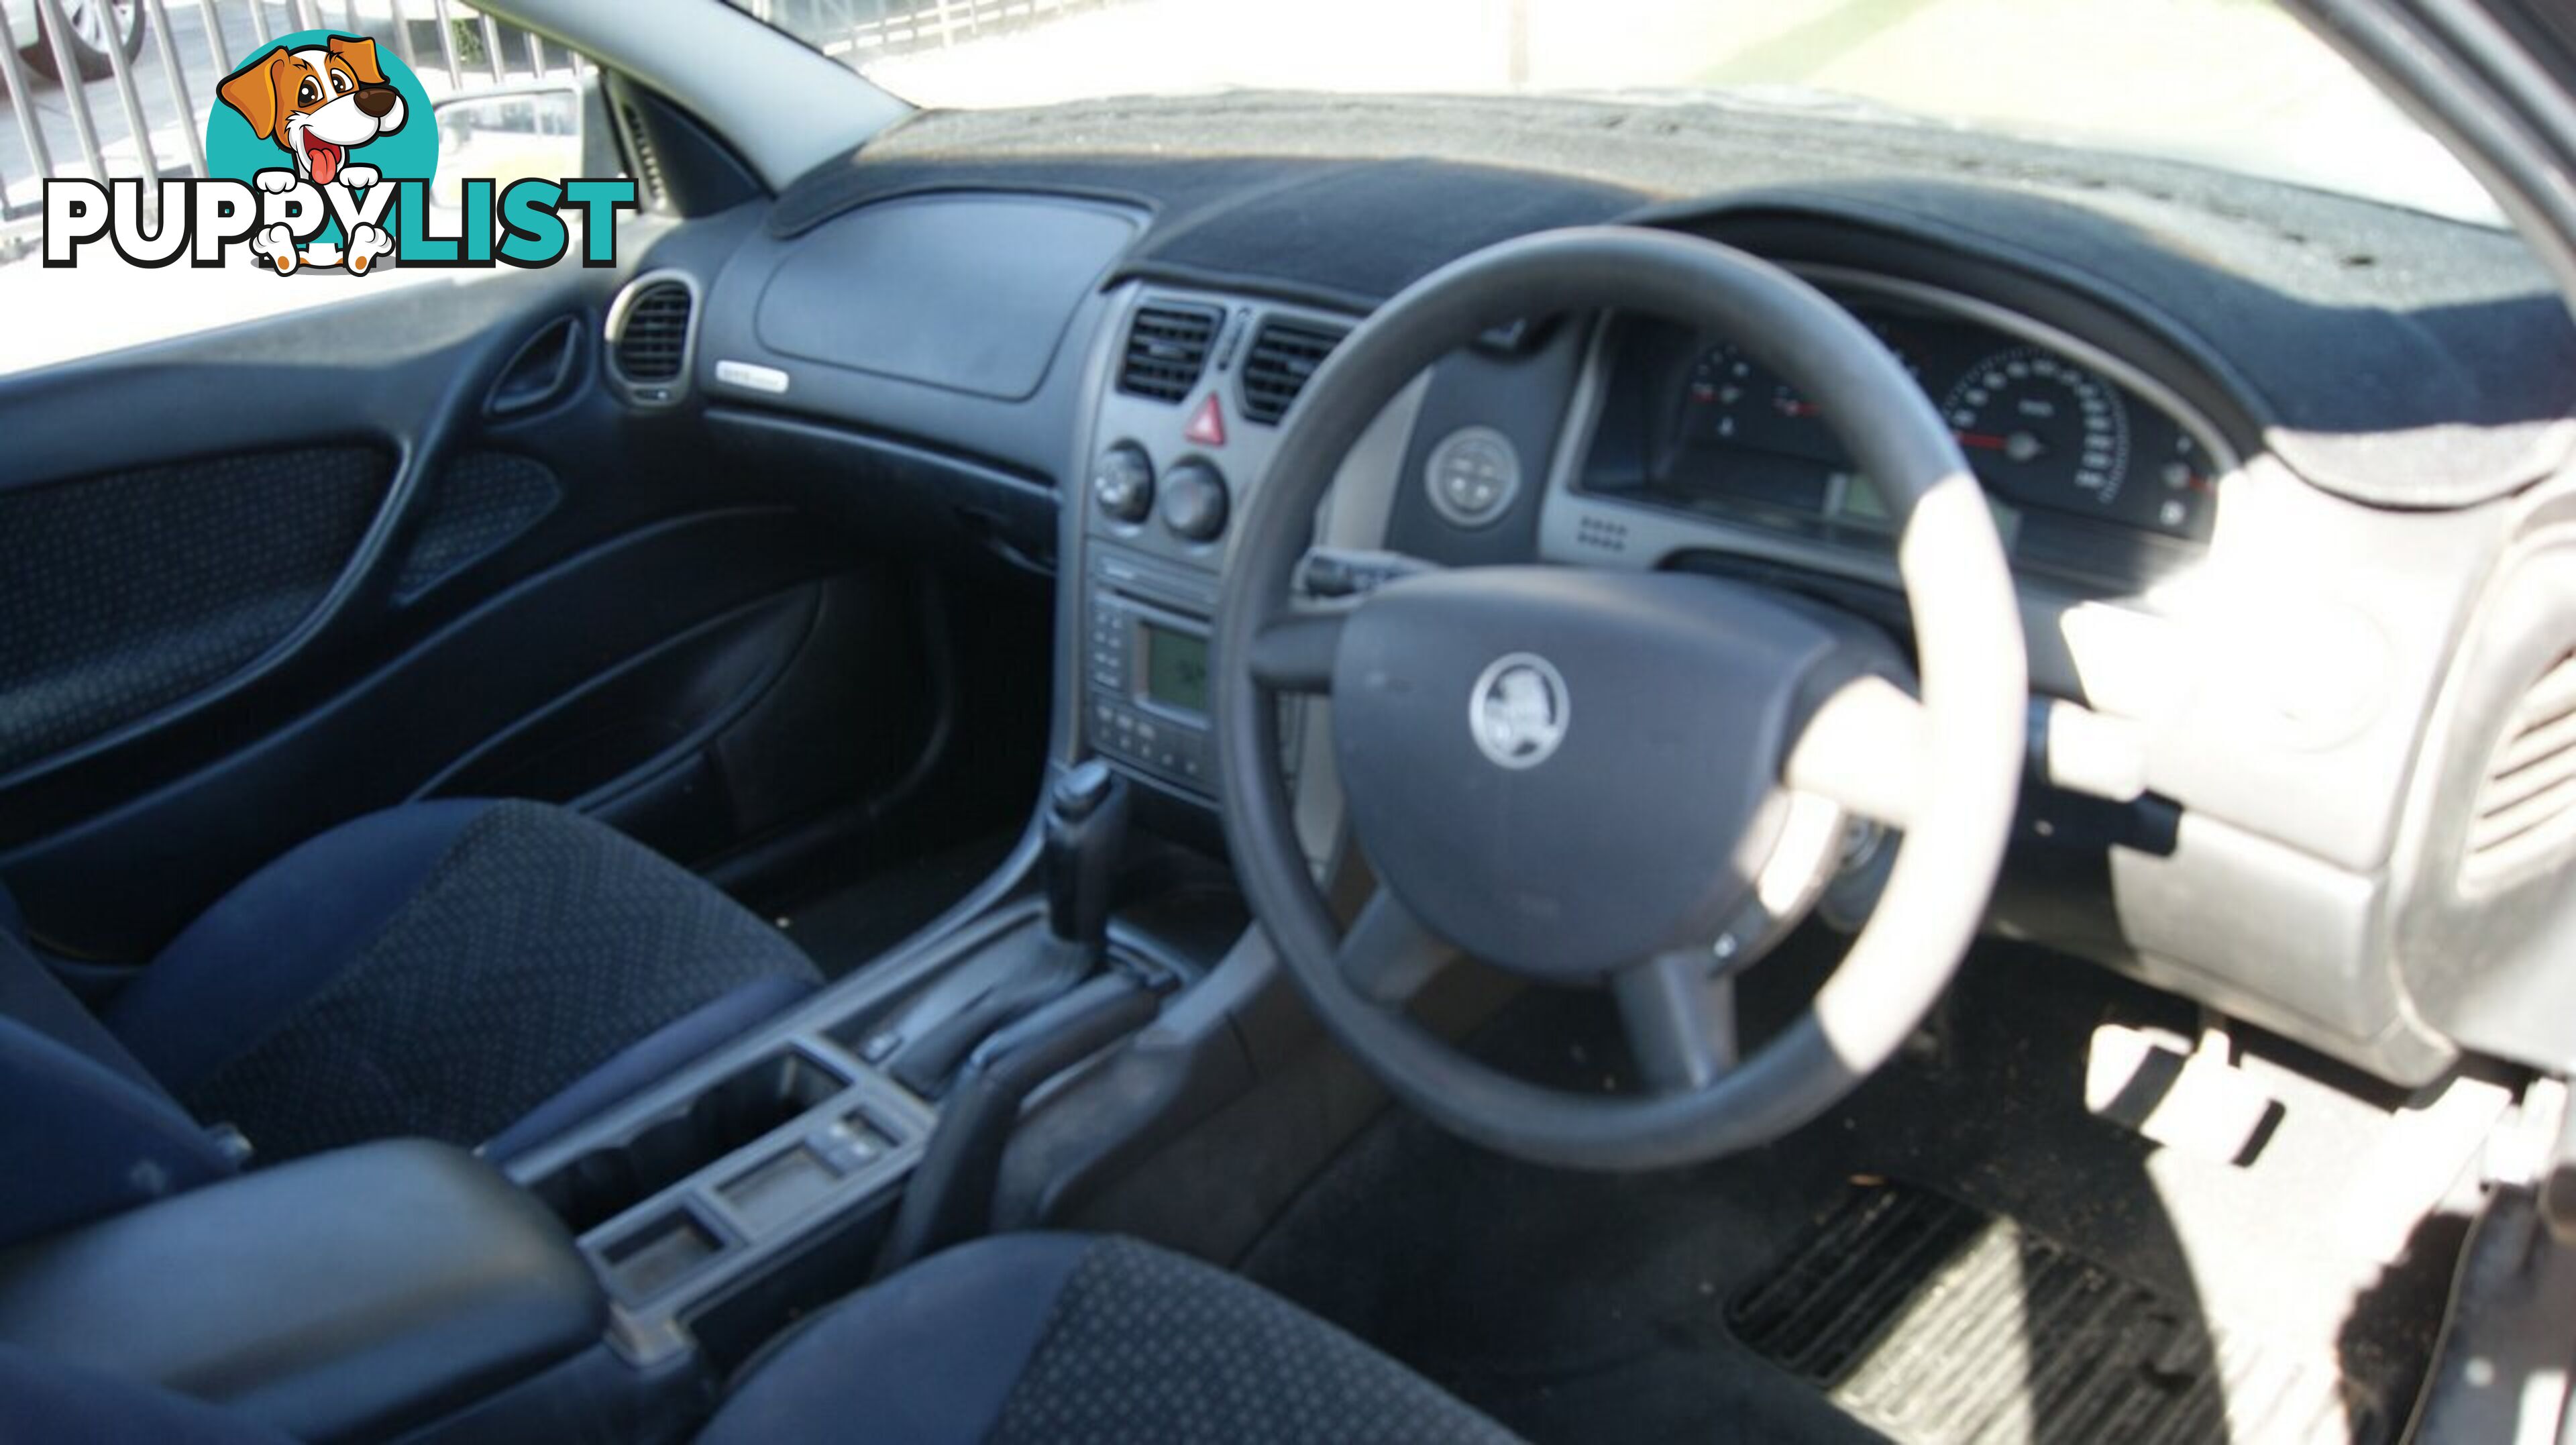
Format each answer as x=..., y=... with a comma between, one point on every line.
x=1085, y=826
x=1086, y=821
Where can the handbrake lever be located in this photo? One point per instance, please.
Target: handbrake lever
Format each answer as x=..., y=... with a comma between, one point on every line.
x=950, y=1197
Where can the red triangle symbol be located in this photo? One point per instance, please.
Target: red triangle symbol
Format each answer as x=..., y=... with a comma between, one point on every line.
x=1207, y=425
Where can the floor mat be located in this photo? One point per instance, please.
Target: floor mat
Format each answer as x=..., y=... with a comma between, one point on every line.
x=1592, y=1309
x=1939, y=1324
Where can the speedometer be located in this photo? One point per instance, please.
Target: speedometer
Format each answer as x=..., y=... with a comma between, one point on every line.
x=2042, y=431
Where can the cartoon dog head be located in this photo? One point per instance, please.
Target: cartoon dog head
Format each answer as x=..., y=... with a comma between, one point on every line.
x=317, y=103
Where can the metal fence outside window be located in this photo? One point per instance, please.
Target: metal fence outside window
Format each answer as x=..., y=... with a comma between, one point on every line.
x=137, y=76
x=132, y=102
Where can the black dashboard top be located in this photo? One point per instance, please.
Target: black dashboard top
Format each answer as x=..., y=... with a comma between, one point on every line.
x=2391, y=356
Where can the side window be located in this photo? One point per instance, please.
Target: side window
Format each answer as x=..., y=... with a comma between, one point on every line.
x=507, y=135
x=141, y=93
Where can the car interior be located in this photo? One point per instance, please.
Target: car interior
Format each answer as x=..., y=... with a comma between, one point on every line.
x=1286, y=767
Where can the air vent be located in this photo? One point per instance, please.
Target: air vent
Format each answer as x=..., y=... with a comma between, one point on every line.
x=655, y=338
x=652, y=333
x=1283, y=356
x=2526, y=804
x=1167, y=347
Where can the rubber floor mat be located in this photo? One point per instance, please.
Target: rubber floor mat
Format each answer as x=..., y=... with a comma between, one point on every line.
x=1939, y=1324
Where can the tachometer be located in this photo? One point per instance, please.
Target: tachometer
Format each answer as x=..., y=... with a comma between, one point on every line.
x=2042, y=431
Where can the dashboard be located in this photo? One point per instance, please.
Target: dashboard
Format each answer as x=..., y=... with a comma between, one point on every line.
x=2265, y=464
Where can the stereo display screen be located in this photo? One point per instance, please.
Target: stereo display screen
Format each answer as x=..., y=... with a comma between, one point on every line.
x=1176, y=673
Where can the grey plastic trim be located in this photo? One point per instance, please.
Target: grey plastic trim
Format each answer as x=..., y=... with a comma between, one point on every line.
x=673, y=391
x=782, y=106
x=656, y=1328
x=1353, y=515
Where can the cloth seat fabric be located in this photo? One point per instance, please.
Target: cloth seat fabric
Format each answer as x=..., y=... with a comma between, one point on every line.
x=1060, y=1338
x=465, y=970
x=1078, y=1340
x=438, y=970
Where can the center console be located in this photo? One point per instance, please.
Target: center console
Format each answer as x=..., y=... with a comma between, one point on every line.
x=1187, y=421
x=767, y=1179
x=689, y=1192
x=1145, y=667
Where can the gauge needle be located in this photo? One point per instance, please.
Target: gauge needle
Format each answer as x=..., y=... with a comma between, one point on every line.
x=2021, y=446
x=1797, y=408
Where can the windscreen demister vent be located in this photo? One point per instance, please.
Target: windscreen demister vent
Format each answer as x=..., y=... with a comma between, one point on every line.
x=648, y=160
x=653, y=337
x=2525, y=813
x=1283, y=356
x=1167, y=348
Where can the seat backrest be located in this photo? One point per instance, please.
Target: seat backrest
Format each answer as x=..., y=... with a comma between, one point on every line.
x=84, y=1130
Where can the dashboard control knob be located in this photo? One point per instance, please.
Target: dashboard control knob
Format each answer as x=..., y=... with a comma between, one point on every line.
x=1122, y=483
x=1194, y=502
x=1473, y=475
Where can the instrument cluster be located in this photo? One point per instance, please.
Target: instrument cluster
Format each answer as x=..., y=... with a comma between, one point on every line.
x=2084, y=474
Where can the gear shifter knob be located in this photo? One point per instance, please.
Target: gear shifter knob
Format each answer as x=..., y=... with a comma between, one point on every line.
x=1080, y=789
x=1086, y=824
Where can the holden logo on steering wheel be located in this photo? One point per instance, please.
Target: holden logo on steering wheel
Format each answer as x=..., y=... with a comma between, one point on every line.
x=1518, y=710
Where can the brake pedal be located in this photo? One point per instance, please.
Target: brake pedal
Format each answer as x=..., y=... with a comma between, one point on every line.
x=2197, y=1101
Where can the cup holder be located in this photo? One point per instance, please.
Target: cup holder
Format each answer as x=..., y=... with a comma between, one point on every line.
x=746, y=1104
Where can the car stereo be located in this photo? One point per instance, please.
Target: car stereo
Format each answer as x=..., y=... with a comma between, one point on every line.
x=1145, y=690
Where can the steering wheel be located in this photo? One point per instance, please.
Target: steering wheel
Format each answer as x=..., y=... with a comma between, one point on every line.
x=1629, y=780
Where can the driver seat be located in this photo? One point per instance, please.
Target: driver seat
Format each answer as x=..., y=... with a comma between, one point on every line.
x=1025, y=1338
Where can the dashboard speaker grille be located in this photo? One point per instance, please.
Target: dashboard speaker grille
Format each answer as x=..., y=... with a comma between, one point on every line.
x=1167, y=348
x=1283, y=356
x=653, y=343
x=2526, y=804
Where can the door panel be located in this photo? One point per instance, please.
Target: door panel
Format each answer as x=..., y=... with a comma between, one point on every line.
x=133, y=591
x=479, y=503
x=257, y=582
x=375, y=743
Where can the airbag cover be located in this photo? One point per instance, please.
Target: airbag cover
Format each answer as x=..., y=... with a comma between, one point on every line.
x=968, y=292
x=1563, y=771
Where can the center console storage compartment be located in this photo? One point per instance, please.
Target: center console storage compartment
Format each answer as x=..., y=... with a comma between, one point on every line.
x=738, y=1109
x=741, y=1190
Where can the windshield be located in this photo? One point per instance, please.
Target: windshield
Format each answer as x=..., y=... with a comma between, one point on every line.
x=2236, y=84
